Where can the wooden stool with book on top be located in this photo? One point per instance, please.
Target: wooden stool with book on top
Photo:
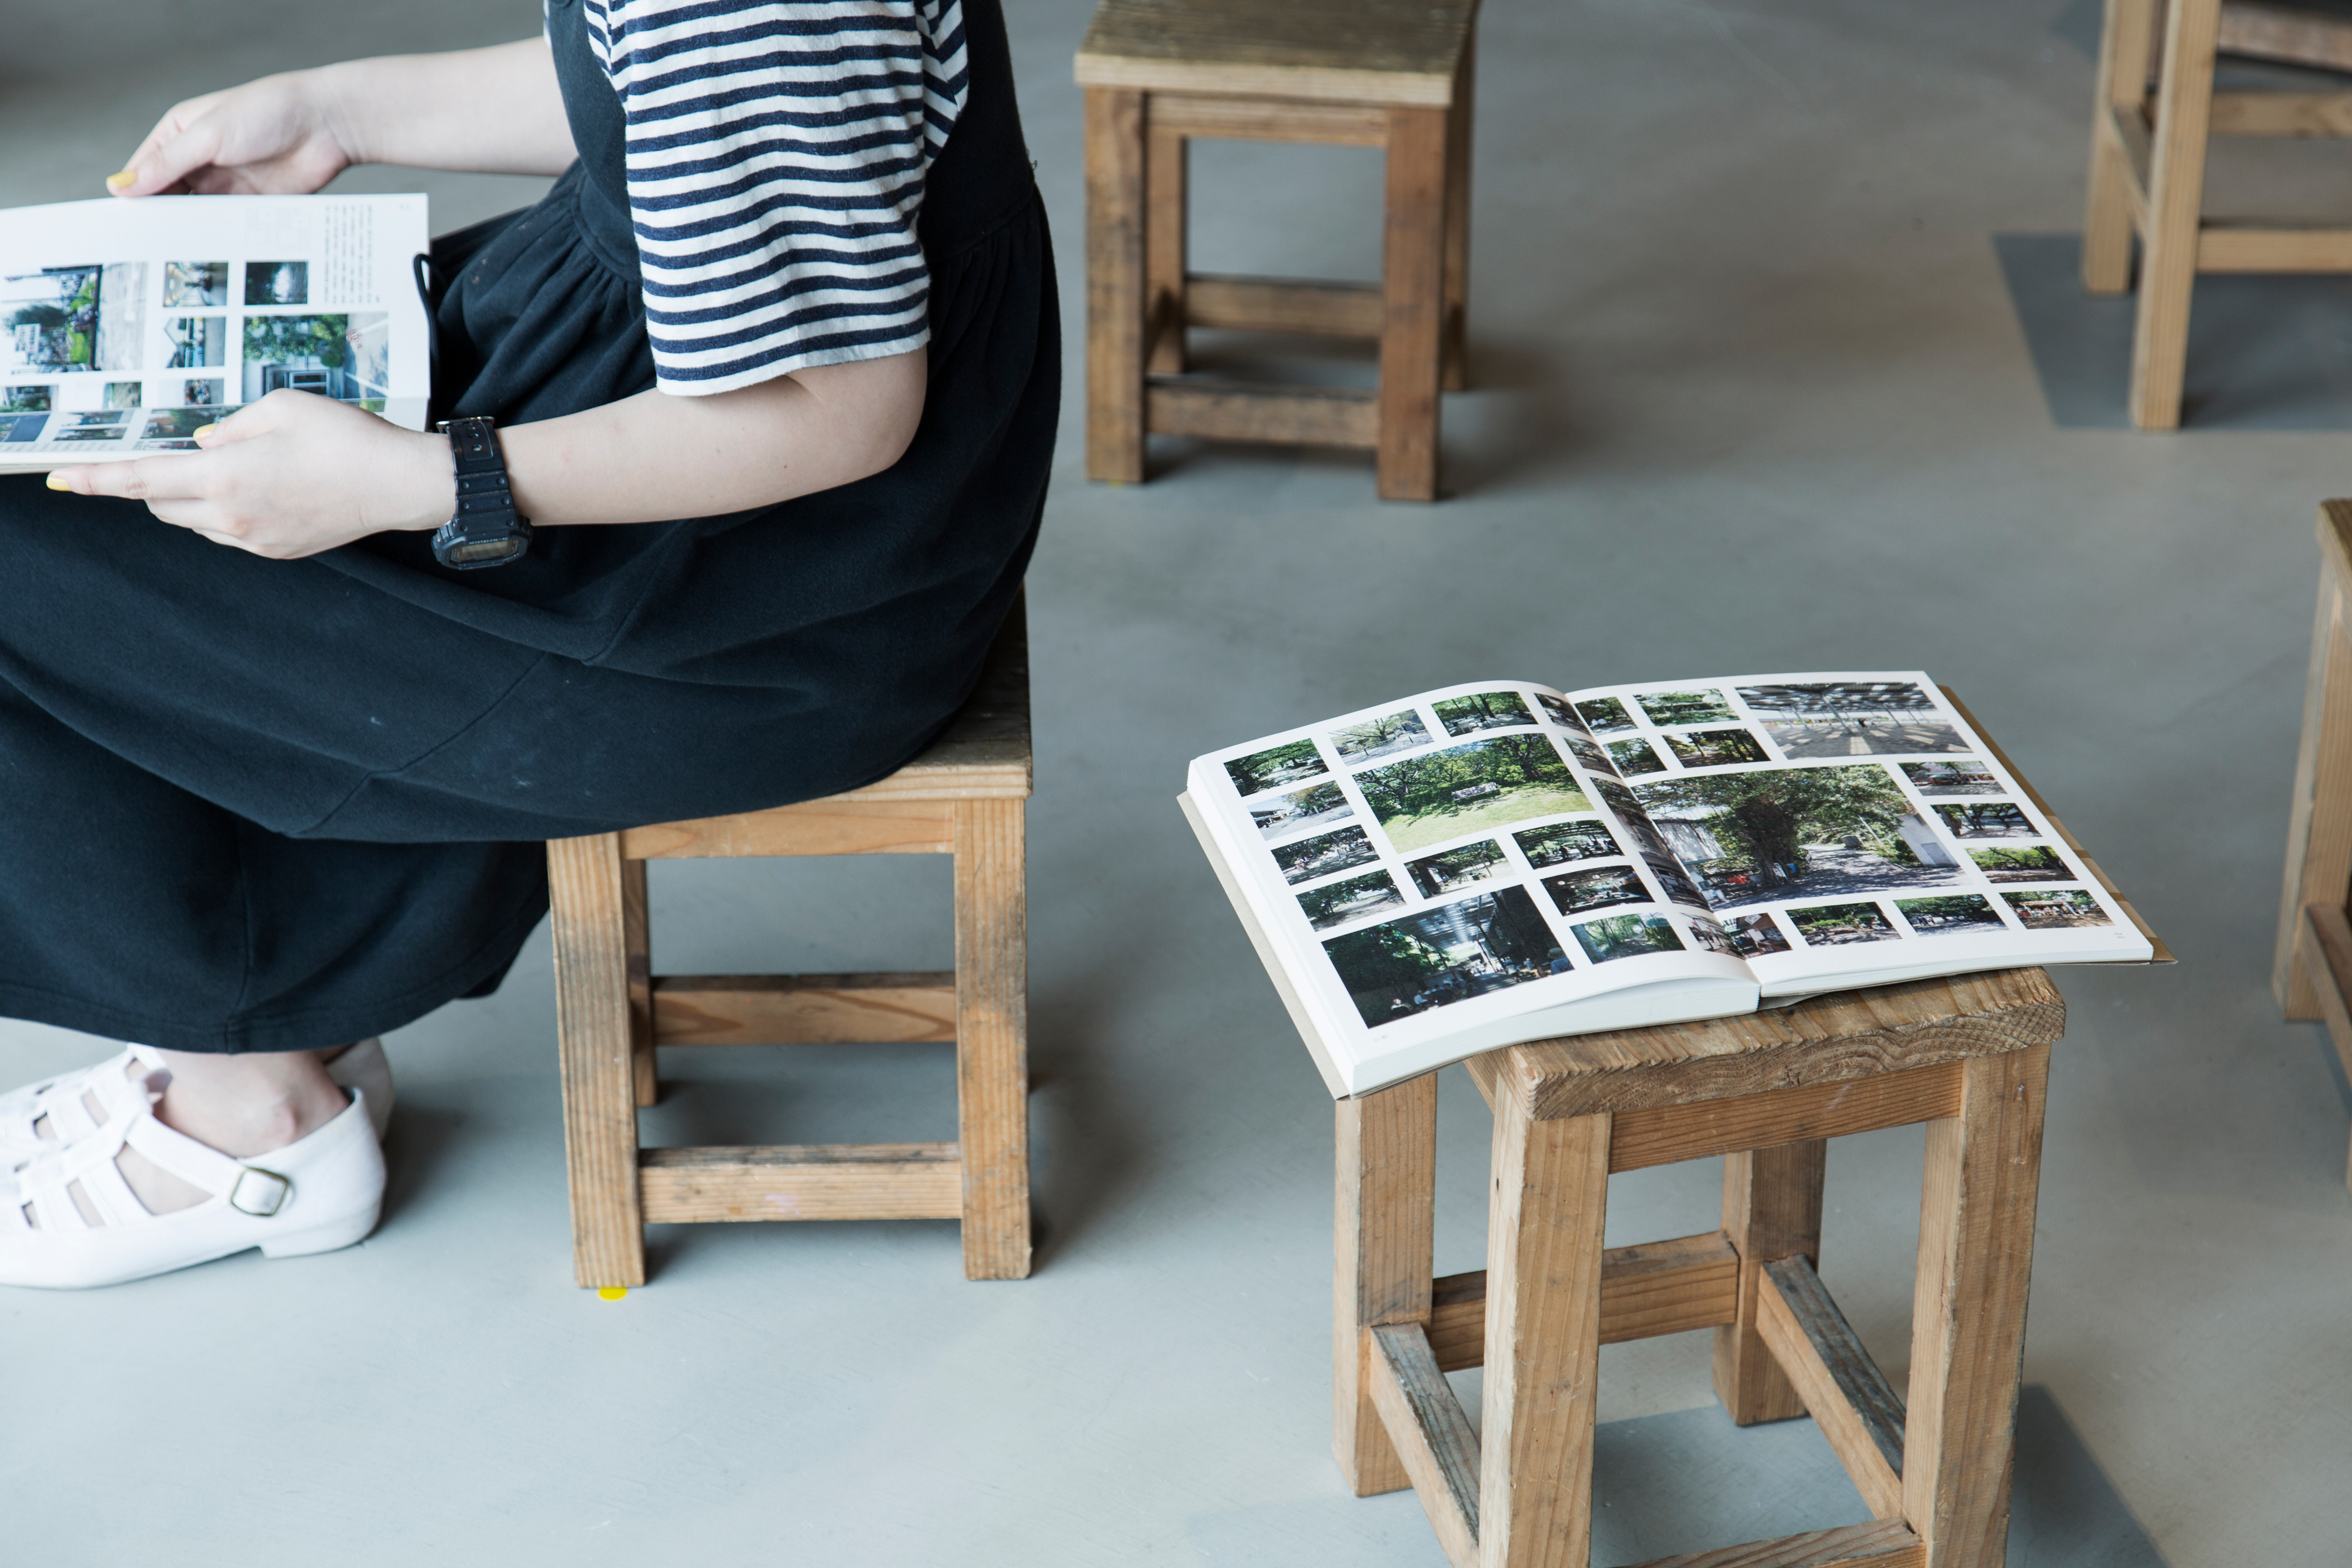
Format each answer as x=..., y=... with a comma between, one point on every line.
x=1966, y=1053
x=2311, y=967
x=1391, y=74
x=2155, y=112
x=964, y=797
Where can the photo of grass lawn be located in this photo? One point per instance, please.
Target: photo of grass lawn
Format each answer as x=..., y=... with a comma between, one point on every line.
x=1443, y=795
x=2038, y=862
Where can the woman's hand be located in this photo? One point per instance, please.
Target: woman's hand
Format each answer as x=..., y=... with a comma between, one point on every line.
x=277, y=136
x=289, y=477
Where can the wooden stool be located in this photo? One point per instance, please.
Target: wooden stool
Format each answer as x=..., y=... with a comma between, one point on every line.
x=2311, y=970
x=2148, y=166
x=963, y=798
x=1394, y=74
x=1968, y=1057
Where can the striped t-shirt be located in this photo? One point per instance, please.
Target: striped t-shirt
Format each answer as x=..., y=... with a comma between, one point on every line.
x=776, y=154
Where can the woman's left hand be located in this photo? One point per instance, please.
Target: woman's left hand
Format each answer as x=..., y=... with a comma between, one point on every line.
x=287, y=476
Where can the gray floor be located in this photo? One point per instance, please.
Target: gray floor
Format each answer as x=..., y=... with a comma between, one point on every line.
x=1778, y=368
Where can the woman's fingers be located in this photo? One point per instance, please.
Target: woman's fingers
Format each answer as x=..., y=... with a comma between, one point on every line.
x=149, y=479
x=185, y=140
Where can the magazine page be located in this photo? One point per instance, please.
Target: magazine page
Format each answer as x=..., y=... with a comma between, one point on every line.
x=1437, y=867
x=1851, y=827
x=130, y=325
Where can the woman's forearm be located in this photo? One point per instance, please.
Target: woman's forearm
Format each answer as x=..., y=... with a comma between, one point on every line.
x=494, y=110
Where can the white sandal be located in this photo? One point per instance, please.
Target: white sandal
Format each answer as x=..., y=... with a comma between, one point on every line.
x=65, y=1100
x=315, y=1195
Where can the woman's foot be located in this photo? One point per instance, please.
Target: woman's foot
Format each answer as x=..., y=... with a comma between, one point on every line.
x=71, y=1105
x=286, y=1167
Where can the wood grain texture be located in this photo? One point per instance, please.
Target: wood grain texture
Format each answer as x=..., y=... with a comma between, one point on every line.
x=1165, y=160
x=837, y=825
x=1384, y=1213
x=2176, y=192
x=1669, y=1133
x=1270, y=120
x=1845, y=1036
x=816, y=1181
x=2122, y=83
x=803, y=1009
x=1115, y=178
x=1547, y=1210
x=644, y=1070
x=2163, y=955
x=1412, y=291
x=1771, y=1210
x=2281, y=113
x=1880, y=1544
x=1431, y=1436
x=2236, y=247
x=1251, y=411
x=1363, y=51
x=1849, y=1397
x=1651, y=1289
x=2285, y=33
x=2327, y=964
x=1967, y=1324
x=1284, y=305
x=991, y=1035
x=2319, y=820
x=593, y=1047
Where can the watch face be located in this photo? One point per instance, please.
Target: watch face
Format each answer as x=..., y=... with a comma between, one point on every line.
x=483, y=552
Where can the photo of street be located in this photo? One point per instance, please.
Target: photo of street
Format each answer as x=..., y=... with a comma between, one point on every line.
x=2049, y=911
x=1717, y=749
x=1577, y=891
x=1835, y=924
x=2037, y=862
x=1853, y=718
x=189, y=285
x=1666, y=708
x=1626, y=937
x=1604, y=714
x=1399, y=731
x=1958, y=913
x=1753, y=935
x=1325, y=853
x=1559, y=713
x=1275, y=767
x=1448, y=870
x=1987, y=819
x=1564, y=842
x=1433, y=959
x=1966, y=777
x=1345, y=900
x=1635, y=758
x=1308, y=808
x=1786, y=832
x=1482, y=710
x=1428, y=799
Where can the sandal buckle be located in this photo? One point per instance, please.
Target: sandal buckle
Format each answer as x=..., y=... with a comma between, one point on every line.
x=258, y=1192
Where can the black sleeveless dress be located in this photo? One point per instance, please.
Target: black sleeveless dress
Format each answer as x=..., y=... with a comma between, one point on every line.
x=257, y=805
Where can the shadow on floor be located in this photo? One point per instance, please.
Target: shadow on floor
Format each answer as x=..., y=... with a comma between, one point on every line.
x=2064, y=1512
x=2264, y=352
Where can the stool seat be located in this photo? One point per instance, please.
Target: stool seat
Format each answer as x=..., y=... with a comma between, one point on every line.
x=1391, y=53
x=1968, y=1057
x=963, y=797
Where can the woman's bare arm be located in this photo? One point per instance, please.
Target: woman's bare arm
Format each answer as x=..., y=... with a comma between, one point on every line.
x=296, y=474
x=494, y=110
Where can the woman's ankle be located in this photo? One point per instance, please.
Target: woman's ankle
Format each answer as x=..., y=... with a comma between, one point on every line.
x=249, y=1104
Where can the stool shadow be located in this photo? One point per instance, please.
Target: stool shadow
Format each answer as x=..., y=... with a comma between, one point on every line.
x=2265, y=353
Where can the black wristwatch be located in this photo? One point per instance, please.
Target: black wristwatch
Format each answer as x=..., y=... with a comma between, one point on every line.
x=486, y=530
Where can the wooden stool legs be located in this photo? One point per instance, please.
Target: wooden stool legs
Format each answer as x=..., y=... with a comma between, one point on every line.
x=1934, y=1468
x=991, y=940
x=601, y=1038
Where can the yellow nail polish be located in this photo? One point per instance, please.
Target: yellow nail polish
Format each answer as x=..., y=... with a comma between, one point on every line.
x=58, y=482
x=203, y=430
x=117, y=182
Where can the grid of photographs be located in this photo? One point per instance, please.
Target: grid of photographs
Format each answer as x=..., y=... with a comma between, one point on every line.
x=1453, y=847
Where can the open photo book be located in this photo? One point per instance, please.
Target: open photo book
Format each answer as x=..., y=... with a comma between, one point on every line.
x=1497, y=862
x=130, y=325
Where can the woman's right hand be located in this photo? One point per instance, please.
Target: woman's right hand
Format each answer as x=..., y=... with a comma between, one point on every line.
x=276, y=136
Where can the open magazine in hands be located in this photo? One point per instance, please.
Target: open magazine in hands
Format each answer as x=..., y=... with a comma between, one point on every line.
x=125, y=327
x=1496, y=862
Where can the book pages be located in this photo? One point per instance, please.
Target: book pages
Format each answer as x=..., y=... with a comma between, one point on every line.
x=127, y=326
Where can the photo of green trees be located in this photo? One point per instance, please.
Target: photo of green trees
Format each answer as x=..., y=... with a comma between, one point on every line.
x=2041, y=911
x=1275, y=767
x=1986, y=819
x=1635, y=758
x=1559, y=713
x=1953, y=914
x=1666, y=708
x=1784, y=833
x=1626, y=937
x=1325, y=853
x=1306, y=808
x=1441, y=795
x=1447, y=870
x=1834, y=925
x=1716, y=747
x=2035, y=862
x=1966, y=776
x=1344, y=900
x=1563, y=841
x=1604, y=714
x=1400, y=968
x=1482, y=710
x=1399, y=731
x=1577, y=891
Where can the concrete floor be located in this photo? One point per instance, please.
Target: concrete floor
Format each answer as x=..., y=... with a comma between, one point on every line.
x=1778, y=367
